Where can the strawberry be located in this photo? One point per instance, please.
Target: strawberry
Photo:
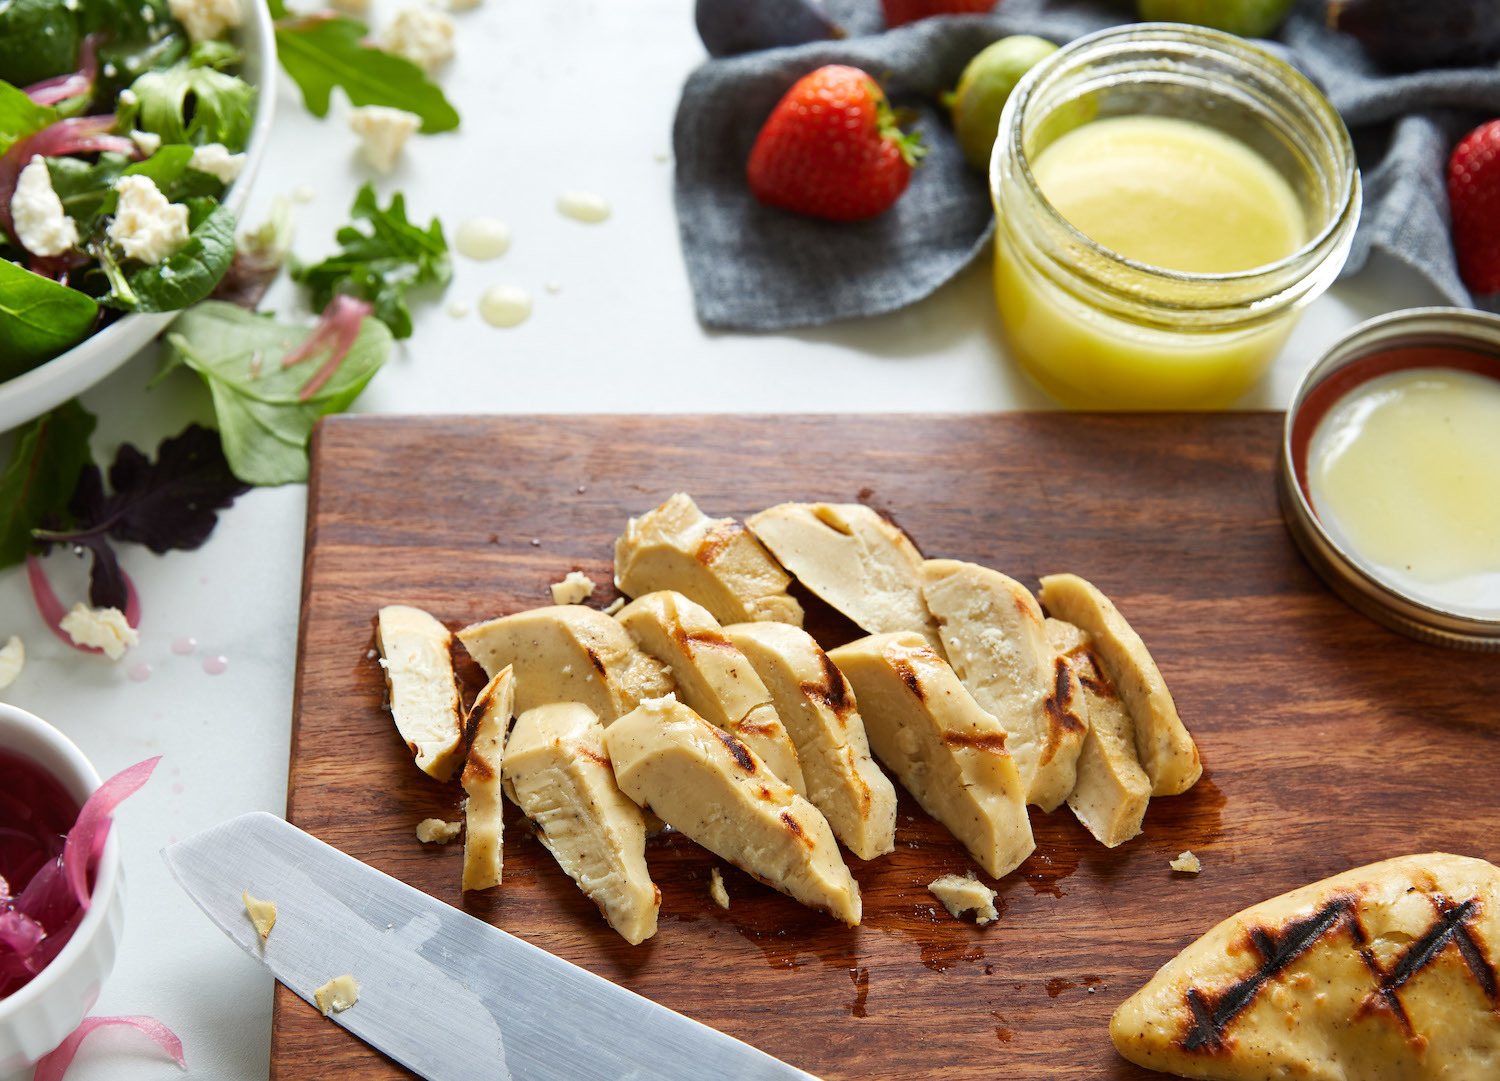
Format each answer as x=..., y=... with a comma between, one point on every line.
x=832, y=149
x=1474, y=197
x=901, y=12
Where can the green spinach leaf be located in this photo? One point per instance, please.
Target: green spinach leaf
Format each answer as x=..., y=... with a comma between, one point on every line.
x=38, y=39
x=263, y=421
x=87, y=189
x=38, y=319
x=323, y=51
x=383, y=255
x=39, y=479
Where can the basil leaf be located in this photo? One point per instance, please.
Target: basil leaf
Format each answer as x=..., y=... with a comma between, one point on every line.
x=323, y=51
x=39, y=479
x=188, y=274
x=187, y=104
x=264, y=424
x=383, y=255
x=21, y=117
x=38, y=319
x=38, y=39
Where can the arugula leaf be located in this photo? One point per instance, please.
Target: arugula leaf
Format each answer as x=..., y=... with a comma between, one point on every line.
x=187, y=104
x=184, y=277
x=169, y=171
x=380, y=261
x=49, y=456
x=172, y=503
x=38, y=319
x=263, y=419
x=323, y=51
x=87, y=190
x=38, y=39
x=20, y=116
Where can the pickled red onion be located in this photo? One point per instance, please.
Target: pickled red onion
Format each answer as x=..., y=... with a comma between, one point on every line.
x=54, y=1065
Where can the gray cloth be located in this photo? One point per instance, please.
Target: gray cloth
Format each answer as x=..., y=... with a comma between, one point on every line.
x=757, y=268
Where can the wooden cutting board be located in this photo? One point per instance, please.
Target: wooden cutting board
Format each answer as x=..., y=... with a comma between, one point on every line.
x=1328, y=742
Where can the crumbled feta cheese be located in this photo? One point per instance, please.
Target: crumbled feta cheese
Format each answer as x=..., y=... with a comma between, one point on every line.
x=961, y=893
x=383, y=132
x=716, y=888
x=337, y=995
x=216, y=160
x=434, y=831
x=205, y=20
x=102, y=628
x=421, y=35
x=147, y=142
x=1187, y=864
x=12, y=660
x=147, y=227
x=576, y=588
x=37, y=213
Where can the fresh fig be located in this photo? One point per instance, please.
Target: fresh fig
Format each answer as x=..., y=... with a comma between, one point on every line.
x=1247, y=18
x=731, y=27
x=1404, y=35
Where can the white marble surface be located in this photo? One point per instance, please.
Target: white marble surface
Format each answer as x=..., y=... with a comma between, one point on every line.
x=568, y=94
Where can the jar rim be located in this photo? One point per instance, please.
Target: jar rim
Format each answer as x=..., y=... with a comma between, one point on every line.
x=1347, y=198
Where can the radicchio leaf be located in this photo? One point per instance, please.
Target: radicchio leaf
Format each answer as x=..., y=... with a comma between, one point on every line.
x=86, y=838
x=54, y=1066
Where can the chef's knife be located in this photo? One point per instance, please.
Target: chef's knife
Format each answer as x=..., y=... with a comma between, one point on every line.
x=444, y=994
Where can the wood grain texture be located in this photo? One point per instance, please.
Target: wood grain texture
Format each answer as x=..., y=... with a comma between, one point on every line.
x=1328, y=741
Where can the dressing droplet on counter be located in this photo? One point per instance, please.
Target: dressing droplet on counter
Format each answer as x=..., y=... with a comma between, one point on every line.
x=185, y=645
x=505, y=306
x=139, y=672
x=458, y=310
x=483, y=238
x=554, y=287
x=217, y=665
x=583, y=206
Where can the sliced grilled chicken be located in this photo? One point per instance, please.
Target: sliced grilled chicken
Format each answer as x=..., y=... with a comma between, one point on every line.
x=716, y=790
x=414, y=652
x=817, y=706
x=715, y=561
x=557, y=772
x=1166, y=750
x=484, y=827
x=568, y=653
x=1382, y=973
x=714, y=679
x=949, y=753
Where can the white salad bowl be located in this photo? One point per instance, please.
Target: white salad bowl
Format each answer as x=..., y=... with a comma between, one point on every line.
x=39, y=1016
x=32, y=393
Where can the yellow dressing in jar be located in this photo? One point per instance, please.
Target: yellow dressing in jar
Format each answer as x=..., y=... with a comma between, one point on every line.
x=1404, y=474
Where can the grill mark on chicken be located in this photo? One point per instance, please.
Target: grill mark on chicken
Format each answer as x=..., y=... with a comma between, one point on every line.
x=596, y=660
x=716, y=540
x=832, y=691
x=991, y=742
x=738, y=750
x=795, y=829
x=1091, y=673
x=1212, y=1015
x=477, y=769
x=710, y=638
x=592, y=755
x=909, y=676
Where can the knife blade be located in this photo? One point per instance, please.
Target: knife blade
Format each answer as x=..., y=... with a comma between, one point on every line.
x=446, y=995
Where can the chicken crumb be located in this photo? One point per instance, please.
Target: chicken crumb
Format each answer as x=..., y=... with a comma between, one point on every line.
x=1187, y=864
x=614, y=606
x=576, y=588
x=434, y=831
x=716, y=888
x=960, y=894
x=337, y=995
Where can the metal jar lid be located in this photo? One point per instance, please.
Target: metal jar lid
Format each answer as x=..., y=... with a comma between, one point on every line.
x=1362, y=354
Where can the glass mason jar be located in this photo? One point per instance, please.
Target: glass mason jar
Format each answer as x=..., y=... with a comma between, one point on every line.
x=1099, y=330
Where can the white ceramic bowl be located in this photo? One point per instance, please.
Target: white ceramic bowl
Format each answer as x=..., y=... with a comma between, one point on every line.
x=32, y=393
x=37, y=1018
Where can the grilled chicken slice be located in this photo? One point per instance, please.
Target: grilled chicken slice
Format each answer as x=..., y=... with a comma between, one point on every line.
x=1112, y=790
x=854, y=559
x=1382, y=973
x=1166, y=750
x=714, y=679
x=489, y=718
x=414, y=652
x=715, y=561
x=949, y=753
x=557, y=772
x=816, y=704
x=993, y=630
x=716, y=790
x=567, y=653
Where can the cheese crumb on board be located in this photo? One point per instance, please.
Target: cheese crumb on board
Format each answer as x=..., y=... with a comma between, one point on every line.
x=576, y=588
x=716, y=888
x=965, y=893
x=422, y=35
x=103, y=628
x=337, y=995
x=12, y=660
x=261, y=913
x=1187, y=864
x=434, y=831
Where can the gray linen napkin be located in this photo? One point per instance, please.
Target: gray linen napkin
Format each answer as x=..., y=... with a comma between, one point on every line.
x=756, y=268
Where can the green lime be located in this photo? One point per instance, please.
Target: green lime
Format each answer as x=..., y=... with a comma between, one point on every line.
x=1247, y=18
x=984, y=87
